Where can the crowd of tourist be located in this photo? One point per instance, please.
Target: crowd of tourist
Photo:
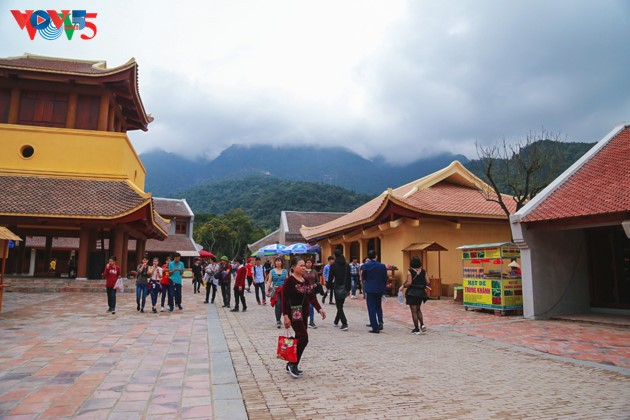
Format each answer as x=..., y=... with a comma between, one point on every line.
x=292, y=292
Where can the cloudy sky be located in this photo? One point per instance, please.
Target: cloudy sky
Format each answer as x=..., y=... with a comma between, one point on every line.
x=403, y=79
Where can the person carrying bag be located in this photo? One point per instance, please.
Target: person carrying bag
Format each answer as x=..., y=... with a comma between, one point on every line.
x=416, y=284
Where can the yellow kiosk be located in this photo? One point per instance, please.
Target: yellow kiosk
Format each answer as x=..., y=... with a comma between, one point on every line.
x=492, y=277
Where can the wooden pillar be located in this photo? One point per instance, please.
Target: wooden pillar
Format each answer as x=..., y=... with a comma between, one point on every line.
x=84, y=252
x=47, y=252
x=116, y=245
x=125, y=254
x=14, y=106
x=103, y=113
x=71, y=117
x=362, y=250
x=112, y=119
x=21, y=254
x=141, y=249
x=31, y=262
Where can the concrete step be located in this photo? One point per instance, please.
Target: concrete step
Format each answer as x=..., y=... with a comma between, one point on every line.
x=57, y=285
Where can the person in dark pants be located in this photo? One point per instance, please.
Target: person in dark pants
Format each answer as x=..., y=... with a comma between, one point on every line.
x=111, y=274
x=211, y=282
x=329, y=284
x=297, y=296
x=197, y=270
x=72, y=268
x=239, y=285
x=224, y=276
x=339, y=276
x=155, y=275
x=165, y=284
x=259, y=281
x=375, y=277
x=142, y=284
x=175, y=270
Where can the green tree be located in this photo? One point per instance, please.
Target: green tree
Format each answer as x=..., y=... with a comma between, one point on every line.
x=228, y=234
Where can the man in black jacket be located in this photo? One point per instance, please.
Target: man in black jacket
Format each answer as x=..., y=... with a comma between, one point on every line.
x=340, y=276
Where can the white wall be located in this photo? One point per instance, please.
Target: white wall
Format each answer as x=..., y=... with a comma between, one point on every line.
x=555, y=271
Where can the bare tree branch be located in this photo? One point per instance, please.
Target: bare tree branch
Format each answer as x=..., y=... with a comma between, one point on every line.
x=521, y=170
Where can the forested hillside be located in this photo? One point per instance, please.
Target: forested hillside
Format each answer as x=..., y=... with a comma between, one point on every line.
x=264, y=197
x=168, y=173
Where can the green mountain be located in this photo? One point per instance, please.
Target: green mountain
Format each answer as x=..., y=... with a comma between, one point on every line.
x=262, y=198
x=168, y=173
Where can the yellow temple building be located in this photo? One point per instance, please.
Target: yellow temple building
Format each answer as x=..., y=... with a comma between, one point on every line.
x=428, y=218
x=67, y=167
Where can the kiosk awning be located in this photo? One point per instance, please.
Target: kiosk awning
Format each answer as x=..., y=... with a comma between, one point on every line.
x=425, y=246
x=7, y=235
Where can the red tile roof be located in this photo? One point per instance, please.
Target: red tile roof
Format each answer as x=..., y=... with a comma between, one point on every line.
x=599, y=186
x=67, y=197
x=447, y=198
x=71, y=198
x=452, y=191
x=121, y=80
x=56, y=65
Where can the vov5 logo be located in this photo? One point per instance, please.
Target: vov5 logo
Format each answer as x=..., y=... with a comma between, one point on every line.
x=51, y=24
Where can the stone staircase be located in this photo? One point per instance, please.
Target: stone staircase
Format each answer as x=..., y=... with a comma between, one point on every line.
x=57, y=285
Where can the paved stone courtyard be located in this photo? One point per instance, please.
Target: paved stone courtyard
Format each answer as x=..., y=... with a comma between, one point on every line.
x=63, y=356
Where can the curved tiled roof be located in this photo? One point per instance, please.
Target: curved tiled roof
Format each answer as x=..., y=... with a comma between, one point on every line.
x=447, y=198
x=598, y=185
x=171, y=244
x=122, y=80
x=453, y=191
x=59, y=65
x=67, y=197
x=172, y=207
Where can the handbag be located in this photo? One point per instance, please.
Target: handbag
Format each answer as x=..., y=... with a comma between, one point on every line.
x=296, y=310
x=120, y=285
x=287, y=348
x=416, y=290
x=272, y=292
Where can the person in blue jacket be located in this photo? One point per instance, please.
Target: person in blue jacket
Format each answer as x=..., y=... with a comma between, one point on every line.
x=375, y=277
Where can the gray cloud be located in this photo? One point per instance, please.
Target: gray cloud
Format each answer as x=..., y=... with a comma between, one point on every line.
x=403, y=80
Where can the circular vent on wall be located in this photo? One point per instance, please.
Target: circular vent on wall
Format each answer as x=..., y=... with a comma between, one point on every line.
x=27, y=151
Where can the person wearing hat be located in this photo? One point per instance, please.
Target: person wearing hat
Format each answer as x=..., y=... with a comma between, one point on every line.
x=224, y=276
x=515, y=269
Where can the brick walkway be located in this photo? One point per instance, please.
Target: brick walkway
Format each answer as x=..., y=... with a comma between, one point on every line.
x=452, y=371
x=62, y=356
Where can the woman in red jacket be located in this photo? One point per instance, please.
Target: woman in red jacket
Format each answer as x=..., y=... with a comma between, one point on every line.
x=297, y=295
x=239, y=285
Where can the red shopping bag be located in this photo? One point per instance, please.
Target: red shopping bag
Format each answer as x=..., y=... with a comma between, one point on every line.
x=287, y=349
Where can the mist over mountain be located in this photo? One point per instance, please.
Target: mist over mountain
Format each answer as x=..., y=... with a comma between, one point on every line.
x=169, y=174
